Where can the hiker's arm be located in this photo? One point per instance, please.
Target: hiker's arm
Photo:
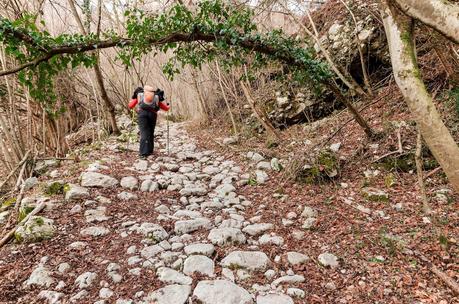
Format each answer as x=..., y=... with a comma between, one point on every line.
x=133, y=103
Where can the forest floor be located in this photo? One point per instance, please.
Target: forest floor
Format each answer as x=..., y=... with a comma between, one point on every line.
x=198, y=226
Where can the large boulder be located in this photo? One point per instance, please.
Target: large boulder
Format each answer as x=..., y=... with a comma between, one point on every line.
x=95, y=179
x=36, y=229
x=75, y=192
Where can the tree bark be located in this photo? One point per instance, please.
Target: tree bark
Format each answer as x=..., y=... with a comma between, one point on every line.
x=441, y=15
x=399, y=33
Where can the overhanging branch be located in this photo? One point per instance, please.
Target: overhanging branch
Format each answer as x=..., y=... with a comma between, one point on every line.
x=175, y=37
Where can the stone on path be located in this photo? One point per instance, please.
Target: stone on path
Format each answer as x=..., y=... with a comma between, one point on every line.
x=267, y=239
x=274, y=298
x=94, y=179
x=201, y=249
x=126, y=196
x=85, y=279
x=95, y=231
x=75, y=192
x=289, y=279
x=52, y=297
x=171, y=276
x=187, y=226
x=40, y=276
x=296, y=258
x=261, y=177
x=129, y=182
x=257, y=229
x=200, y=264
x=250, y=260
x=224, y=236
x=328, y=259
x=141, y=165
x=221, y=292
x=96, y=215
x=36, y=229
x=172, y=294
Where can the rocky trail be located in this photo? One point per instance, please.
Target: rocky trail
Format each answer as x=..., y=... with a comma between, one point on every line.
x=169, y=230
x=181, y=228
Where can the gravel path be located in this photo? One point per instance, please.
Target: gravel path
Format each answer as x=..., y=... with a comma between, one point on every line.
x=167, y=230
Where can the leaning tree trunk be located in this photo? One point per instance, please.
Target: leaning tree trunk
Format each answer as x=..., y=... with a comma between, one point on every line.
x=402, y=49
x=441, y=15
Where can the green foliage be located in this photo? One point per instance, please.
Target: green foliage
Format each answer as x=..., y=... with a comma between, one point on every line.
x=212, y=31
x=54, y=188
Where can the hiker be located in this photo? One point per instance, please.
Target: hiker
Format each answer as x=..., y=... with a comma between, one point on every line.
x=148, y=102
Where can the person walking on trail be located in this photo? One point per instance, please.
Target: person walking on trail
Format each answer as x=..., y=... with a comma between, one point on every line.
x=147, y=102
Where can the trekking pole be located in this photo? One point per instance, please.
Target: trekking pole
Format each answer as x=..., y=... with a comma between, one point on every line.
x=167, y=118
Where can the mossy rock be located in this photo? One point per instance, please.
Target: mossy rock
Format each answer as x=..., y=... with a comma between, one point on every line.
x=54, y=188
x=8, y=203
x=36, y=229
x=323, y=168
x=375, y=195
x=407, y=162
x=24, y=211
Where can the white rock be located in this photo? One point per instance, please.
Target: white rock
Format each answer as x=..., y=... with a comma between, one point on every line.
x=296, y=258
x=257, y=229
x=76, y=192
x=270, y=274
x=105, y=293
x=171, y=276
x=151, y=231
x=200, y=249
x=63, y=268
x=309, y=212
x=85, y=279
x=187, y=226
x=250, y=260
x=228, y=274
x=129, y=182
x=172, y=294
x=296, y=292
x=274, y=298
x=126, y=196
x=335, y=147
x=261, y=177
x=200, y=264
x=289, y=279
x=141, y=165
x=221, y=292
x=151, y=251
x=40, y=276
x=96, y=215
x=95, y=231
x=94, y=179
x=328, y=259
x=223, y=236
x=52, y=297
x=267, y=239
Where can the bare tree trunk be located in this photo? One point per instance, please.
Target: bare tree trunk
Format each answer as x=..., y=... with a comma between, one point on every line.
x=399, y=33
x=442, y=15
x=99, y=77
x=226, y=99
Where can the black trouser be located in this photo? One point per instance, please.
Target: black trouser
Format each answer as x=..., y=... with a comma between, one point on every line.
x=147, y=123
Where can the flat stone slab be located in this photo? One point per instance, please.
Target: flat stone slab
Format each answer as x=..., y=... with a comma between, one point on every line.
x=94, y=179
x=250, y=260
x=202, y=249
x=257, y=229
x=199, y=264
x=221, y=292
x=95, y=231
x=187, y=226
